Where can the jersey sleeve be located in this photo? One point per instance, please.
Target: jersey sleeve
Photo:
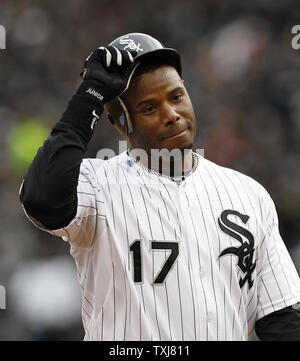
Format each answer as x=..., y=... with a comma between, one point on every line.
x=90, y=208
x=278, y=279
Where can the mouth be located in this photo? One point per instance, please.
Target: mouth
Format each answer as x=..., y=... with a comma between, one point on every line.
x=176, y=134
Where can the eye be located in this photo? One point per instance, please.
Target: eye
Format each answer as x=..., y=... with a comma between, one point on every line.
x=148, y=109
x=177, y=97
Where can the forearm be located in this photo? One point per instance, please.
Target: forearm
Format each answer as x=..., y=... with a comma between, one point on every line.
x=49, y=192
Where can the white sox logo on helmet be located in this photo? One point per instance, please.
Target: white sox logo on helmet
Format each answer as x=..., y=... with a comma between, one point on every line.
x=130, y=44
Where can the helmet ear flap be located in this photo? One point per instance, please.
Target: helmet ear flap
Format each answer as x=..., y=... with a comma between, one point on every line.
x=119, y=116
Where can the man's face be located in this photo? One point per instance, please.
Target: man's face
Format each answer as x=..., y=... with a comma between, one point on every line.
x=161, y=111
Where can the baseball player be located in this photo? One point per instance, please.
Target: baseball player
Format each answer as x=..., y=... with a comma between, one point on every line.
x=184, y=252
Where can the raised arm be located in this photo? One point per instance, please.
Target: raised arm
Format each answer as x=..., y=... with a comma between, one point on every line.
x=49, y=190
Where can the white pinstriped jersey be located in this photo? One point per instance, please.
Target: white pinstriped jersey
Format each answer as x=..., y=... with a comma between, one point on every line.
x=202, y=260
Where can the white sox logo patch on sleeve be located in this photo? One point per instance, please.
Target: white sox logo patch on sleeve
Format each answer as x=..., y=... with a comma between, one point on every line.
x=245, y=252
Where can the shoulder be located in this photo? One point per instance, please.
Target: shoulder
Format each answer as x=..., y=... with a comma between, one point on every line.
x=97, y=164
x=103, y=172
x=243, y=191
x=232, y=178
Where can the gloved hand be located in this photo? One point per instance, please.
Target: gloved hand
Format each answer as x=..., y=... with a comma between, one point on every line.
x=107, y=72
x=106, y=75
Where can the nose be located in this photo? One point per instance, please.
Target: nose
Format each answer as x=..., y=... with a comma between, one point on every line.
x=169, y=114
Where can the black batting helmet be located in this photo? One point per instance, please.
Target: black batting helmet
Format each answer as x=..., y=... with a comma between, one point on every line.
x=144, y=45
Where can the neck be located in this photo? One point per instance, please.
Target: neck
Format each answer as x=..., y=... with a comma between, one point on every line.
x=175, y=163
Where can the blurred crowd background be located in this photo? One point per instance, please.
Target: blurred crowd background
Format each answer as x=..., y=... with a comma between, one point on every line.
x=243, y=77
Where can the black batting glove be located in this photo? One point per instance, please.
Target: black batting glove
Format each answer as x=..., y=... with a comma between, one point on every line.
x=107, y=72
x=106, y=75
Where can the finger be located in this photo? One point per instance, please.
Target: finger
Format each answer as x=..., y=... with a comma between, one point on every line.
x=103, y=55
x=116, y=60
x=133, y=53
x=83, y=73
x=119, y=56
x=130, y=57
x=108, y=56
x=127, y=58
x=89, y=56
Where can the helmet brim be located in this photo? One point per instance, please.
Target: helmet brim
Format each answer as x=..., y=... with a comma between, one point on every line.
x=168, y=55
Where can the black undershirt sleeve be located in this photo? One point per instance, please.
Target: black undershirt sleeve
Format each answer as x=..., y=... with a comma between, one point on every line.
x=282, y=325
x=49, y=190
